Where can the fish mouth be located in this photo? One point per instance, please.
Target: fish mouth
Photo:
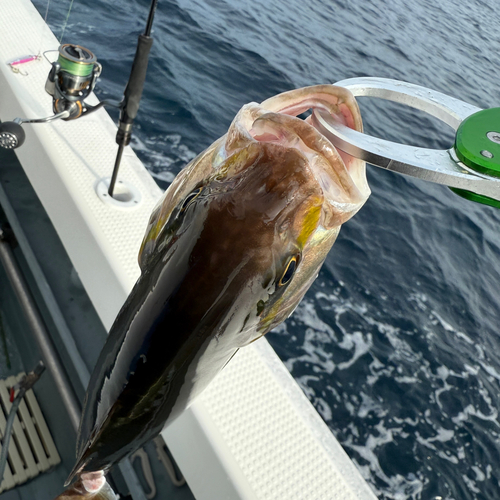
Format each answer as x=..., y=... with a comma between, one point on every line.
x=337, y=101
x=276, y=121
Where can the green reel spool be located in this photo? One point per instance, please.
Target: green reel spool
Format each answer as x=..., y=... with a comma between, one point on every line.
x=477, y=145
x=72, y=79
x=76, y=60
x=76, y=70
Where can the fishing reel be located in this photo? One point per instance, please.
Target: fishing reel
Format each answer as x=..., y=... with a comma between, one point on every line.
x=70, y=81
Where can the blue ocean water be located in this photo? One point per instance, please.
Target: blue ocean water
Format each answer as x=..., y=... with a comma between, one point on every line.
x=397, y=343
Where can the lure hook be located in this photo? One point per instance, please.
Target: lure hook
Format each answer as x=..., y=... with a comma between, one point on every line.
x=14, y=65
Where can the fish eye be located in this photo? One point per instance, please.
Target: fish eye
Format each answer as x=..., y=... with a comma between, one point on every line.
x=190, y=198
x=289, y=270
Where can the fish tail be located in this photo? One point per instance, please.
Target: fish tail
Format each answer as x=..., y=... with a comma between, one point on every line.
x=78, y=491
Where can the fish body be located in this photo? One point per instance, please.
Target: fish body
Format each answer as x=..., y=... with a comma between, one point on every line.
x=230, y=250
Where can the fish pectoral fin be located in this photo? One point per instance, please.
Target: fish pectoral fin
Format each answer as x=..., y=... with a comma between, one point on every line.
x=77, y=491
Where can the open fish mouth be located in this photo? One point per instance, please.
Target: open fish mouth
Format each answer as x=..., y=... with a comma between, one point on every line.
x=275, y=121
x=275, y=124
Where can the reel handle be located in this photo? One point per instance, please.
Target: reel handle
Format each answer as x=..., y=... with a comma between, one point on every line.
x=12, y=135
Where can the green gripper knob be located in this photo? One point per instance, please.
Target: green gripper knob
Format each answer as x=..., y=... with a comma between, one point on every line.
x=477, y=145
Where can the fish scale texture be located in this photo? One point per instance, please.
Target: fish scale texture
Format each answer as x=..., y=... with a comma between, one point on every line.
x=274, y=447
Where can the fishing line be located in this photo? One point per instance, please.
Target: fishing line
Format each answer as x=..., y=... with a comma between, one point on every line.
x=43, y=27
x=66, y=21
x=47, y=8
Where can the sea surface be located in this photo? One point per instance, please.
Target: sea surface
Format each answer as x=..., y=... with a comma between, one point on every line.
x=397, y=343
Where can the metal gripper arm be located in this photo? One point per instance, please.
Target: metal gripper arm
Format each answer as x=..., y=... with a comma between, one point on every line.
x=471, y=167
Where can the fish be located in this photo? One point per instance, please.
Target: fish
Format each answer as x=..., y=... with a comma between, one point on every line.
x=229, y=251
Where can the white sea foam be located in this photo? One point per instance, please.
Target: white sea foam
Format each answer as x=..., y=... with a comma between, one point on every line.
x=303, y=381
x=307, y=313
x=470, y=484
x=160, y=153
x=378, y=369
x=165, y=176
x=490, y=370
x=370, y=405
x=480, y=475
x=469, y=411
x=398, y=487
x=473, y=370
x=352, y=333
x=324, y=409
x=361, y=344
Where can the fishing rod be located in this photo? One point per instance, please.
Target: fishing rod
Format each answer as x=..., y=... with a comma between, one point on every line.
x=71, y=80
x=133, y=93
